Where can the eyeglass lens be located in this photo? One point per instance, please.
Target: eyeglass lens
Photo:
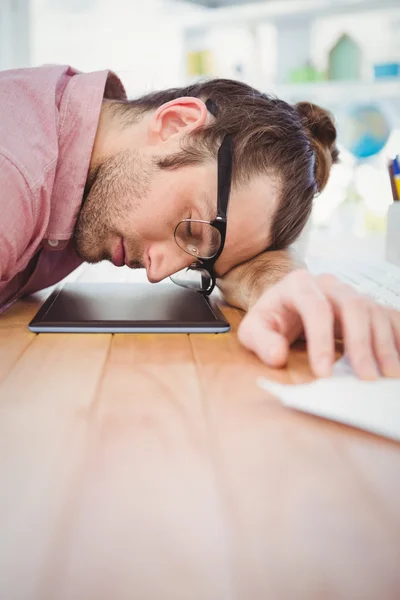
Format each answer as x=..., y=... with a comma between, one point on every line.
x=198, y=238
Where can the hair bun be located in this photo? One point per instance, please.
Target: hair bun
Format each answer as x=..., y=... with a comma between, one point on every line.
x=321, y=130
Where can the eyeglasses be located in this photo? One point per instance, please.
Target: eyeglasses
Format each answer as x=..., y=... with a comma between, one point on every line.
x=205, y=240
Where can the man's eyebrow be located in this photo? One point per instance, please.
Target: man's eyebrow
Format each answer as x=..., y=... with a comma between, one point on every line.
x=208, y=207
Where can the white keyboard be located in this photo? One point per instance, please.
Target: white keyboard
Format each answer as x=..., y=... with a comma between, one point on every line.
x=377, y=278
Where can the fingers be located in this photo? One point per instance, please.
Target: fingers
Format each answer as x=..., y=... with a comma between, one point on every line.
x=321, y=306
x=271, y=347
x=368, y=329
x=317, y=317
x=356, y=327
x=384, y=341
x=295, y=303
x=395, y=322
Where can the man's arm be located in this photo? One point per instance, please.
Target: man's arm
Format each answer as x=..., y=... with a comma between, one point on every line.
x=16, y=220
x=243, y=285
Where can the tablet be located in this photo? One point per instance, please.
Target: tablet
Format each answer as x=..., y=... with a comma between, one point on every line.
x=127, y=308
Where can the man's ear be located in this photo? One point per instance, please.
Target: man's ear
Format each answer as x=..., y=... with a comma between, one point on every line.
x=177, y=118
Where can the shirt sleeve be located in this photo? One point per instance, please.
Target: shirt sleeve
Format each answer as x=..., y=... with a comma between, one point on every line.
x=16, y=220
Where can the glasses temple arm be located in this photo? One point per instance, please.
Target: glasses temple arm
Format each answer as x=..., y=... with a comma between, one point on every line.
x=225, y=156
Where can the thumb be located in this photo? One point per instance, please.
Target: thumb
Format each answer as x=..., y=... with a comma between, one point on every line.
x=270, y=346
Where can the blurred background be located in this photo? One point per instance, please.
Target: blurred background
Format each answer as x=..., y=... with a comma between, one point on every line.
x=341, y=54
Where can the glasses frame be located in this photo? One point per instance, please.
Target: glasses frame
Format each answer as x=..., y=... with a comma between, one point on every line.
x=225, y=164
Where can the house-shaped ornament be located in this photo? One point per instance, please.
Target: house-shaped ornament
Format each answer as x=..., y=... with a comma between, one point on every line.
x=344, y=59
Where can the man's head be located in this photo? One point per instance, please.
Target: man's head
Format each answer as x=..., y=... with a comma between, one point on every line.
x=154, y=163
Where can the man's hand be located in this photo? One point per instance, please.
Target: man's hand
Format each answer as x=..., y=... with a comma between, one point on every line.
x=322, y=308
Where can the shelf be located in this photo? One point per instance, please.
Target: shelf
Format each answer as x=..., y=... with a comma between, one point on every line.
x=334, y=92
x=277, y=10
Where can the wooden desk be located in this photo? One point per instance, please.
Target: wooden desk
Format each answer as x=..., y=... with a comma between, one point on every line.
x=153, y=467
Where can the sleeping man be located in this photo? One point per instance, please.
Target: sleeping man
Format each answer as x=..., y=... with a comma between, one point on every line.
x=216, y=178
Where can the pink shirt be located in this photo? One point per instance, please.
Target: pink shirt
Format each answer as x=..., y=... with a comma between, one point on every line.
x=48, y=122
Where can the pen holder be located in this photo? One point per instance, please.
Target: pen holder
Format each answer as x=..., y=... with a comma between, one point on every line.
x=393, y=234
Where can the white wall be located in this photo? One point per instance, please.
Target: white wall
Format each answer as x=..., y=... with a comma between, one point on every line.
x=140, y=39
x=253, y=48
x=14, y=34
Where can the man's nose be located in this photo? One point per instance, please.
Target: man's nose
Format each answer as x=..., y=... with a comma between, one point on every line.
x=165, y=261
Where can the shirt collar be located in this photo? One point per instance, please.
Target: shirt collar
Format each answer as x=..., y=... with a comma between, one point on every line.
x=79, y=116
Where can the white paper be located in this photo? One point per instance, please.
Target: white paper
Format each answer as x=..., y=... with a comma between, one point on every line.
x=370, y=405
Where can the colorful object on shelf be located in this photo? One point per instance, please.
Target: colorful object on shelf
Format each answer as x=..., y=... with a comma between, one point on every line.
x=306, y=74
x=395, y=173
x=393, y=185
x=393, y=215
x=384, y=70
x=344, y=60
x=199, y=63
x=364, y=130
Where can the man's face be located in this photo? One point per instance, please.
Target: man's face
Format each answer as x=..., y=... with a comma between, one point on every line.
x=133, y=207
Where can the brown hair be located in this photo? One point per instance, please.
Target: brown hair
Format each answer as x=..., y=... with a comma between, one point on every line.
x=295, y=143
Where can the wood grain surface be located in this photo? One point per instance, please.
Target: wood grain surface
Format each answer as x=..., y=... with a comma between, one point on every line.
x=153, y=467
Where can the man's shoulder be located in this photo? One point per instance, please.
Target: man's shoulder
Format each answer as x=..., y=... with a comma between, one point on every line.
x=29, y=101
x=37, y=75
x=35, y=86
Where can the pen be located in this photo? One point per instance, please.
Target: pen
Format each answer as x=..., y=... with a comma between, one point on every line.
x=392, y=181
x=396, y=176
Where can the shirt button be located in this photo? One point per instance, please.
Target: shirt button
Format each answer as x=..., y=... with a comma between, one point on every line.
x=53, y=243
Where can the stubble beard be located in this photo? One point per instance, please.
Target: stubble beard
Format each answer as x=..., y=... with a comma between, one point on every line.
x=113, y=193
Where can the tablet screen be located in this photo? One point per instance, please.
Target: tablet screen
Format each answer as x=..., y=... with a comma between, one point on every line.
x=136, y=307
